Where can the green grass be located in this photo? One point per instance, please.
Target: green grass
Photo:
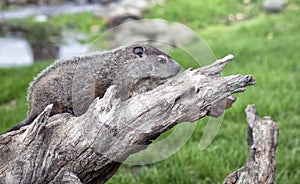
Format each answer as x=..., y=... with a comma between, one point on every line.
x=84, y=22
x=265, y=46
x=202, y=14
x=14, y=83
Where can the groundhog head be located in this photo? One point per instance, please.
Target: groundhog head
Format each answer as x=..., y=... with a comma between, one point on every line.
x=142, y=67
x=145, y=61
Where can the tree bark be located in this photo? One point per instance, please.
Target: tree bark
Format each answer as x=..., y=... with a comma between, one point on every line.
x=90, y=148
x=262, y=140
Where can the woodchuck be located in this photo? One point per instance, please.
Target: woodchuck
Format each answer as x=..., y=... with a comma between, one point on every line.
x=72, y=84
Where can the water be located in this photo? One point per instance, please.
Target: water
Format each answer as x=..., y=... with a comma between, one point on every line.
x=50, y=10
x=72, y=48
x=15, y=52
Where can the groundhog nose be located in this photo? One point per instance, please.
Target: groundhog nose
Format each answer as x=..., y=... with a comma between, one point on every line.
x=177, y=67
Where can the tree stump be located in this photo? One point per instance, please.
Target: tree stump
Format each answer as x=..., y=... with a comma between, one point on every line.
x=262, y=140
x=90, y=148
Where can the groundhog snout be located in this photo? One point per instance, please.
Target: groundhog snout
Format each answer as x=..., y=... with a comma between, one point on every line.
x=173, y=68
x=177, y=68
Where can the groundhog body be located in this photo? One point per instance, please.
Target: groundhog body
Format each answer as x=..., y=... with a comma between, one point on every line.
x=71, y=85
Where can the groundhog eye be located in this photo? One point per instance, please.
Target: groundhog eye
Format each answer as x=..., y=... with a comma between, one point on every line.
x=162, y=59
x=138, y=51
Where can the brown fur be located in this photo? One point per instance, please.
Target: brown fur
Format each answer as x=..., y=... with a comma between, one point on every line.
x=71, y=85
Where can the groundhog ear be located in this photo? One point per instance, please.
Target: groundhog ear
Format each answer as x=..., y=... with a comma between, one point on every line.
x=138, y=51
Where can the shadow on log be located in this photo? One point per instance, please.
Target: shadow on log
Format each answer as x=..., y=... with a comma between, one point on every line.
x=262, y=140
x=90, y=148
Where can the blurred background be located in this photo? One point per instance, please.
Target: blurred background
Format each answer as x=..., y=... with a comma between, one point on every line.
x=262, y=34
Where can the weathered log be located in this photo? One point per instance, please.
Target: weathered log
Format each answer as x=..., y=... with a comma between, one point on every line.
x=90, y=148
x=262, y=140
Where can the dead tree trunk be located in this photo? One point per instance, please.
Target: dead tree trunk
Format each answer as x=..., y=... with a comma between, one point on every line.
x=262, y=140
x=90, y=148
